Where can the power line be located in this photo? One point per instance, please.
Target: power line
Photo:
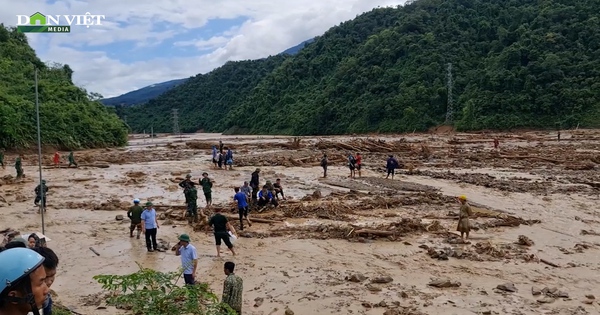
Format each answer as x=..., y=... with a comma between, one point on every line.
x=450, y=108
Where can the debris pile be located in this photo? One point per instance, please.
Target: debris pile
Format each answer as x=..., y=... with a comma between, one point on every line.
x=365, y=145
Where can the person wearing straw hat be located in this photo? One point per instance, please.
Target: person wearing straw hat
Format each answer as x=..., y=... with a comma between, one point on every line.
x=464, y=226
x=150, y=227
x=189, y=258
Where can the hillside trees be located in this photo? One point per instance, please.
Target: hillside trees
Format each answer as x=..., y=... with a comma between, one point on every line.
x=69, y=118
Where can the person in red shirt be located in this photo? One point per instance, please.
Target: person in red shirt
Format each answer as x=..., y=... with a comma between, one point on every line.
x=358, y=163
x=56, y=159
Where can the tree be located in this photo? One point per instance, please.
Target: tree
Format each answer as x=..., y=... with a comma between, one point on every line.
x=151, y=292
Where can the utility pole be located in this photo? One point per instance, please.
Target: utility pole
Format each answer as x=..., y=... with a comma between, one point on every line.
x=39, y=138
x=450, y=108
x=151, y=133
x=176, y=122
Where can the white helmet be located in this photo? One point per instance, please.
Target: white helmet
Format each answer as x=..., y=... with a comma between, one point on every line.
x=136, y=200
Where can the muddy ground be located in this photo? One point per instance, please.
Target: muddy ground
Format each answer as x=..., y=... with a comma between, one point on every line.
x=344, y=246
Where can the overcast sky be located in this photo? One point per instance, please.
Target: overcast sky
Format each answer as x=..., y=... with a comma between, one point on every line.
x=141, y=43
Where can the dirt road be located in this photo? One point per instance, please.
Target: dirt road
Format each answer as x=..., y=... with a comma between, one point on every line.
x=359, y=246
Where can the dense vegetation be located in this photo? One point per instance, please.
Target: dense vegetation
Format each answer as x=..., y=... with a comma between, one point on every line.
x=516, y=63
x=69, y=116
x=142, y=95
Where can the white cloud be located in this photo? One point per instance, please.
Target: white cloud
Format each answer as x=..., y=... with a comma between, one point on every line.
x=272, y=26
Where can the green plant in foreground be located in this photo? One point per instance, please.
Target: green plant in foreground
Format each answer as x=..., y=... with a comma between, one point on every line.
x=150, y=292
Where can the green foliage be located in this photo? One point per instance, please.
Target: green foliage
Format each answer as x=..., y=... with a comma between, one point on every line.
x=70, y=118
x=151, y=292
x=516, y=63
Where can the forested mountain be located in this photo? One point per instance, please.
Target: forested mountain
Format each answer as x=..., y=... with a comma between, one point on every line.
x=515, y=63
x=296, y=49
x=142, y=95
x=69, y=118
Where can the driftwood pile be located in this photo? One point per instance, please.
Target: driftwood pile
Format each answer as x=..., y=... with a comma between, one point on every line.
x=365, y=145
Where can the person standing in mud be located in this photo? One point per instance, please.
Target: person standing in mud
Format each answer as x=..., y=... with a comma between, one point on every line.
x=496, y=143
x=352, y=165
x=464, y=225
x=233, y=287
x=135, y=215
x=2, y=159
x=242, y=205
x=220, y=158
x=189, y=258
x=391, y=166
x=214, y=155
x=19, y=166
x=192, y=205
x=255, y=183
x=278, y=189
x=221, y=225
x=324, y=163
x=56, y=159
x=40, y=195
x=186, y=184
x=150, y=227
x=229, y=159
x=247, y=190
x=220, y=146
x=207, y=184
x=72, y=159
x=358, y=163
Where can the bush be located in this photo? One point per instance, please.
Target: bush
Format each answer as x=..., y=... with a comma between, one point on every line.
x=151, y=292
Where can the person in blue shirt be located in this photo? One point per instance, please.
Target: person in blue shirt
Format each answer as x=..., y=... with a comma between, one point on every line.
x=391, y=165
x=189, y=258
x=150, y=227
x=242, y=203
x=214, y=155
x=265, y=197
x=229, y=158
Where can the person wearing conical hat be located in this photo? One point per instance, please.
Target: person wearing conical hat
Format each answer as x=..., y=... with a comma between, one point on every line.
x=464, y=225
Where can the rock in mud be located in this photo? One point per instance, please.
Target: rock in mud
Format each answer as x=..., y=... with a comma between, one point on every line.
x=357, y=277
x=444, y=283
x=507, y=287
x=288, y=311
x=384, y=279
x=535, y=291
x=590, y=296
x=525, y=241
x=545, y=300
x=258, y=301
x=373, y=288
x=119, y=217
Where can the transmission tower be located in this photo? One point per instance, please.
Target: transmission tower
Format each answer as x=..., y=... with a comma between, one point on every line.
x=176, y=122
x=450, y=109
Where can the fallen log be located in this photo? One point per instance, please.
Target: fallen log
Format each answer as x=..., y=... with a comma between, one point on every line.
x=82, y=179
x=549, y=263
x=80, y=165
x=526, y=157
x=254, y=219
x=375, y=232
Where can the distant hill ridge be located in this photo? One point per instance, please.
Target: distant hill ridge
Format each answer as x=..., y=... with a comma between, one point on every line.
x=515, y=64
x=147, y=93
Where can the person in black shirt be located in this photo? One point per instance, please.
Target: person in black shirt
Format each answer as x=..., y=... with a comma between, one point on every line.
x=221, y=226
x=255, y=183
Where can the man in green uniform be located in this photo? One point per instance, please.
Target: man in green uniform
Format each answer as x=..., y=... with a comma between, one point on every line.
x=40, y=194
x=72, y=159
x=2, y=158
x=233, y=287
x=135, y=215
x=192, y=204
x=19, y=166
x=186, y=184
x=207, y=184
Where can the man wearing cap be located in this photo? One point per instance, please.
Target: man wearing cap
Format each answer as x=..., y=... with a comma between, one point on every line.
x=40, y=194
x=464, y=226
x=207, y=184
x=189, y=258
x=150, y=227
x=186, y=184
x=255, y=183
x=135, y=215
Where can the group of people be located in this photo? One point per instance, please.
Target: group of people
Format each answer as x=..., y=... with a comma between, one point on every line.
x=19, y=162
x=27, y=273
x=222, y=157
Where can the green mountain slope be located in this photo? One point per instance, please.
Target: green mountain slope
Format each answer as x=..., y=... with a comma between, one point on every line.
x=517, y=63
x=202, y=101
x=69, y=119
